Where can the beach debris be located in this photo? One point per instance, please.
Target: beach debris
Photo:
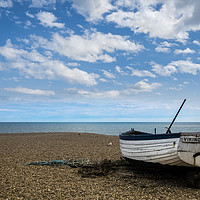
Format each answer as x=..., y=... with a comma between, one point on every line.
x=70, y=162
x=109, y=144
x=86, y=167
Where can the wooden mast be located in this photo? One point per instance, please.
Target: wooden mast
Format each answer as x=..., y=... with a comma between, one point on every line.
x=168, y=130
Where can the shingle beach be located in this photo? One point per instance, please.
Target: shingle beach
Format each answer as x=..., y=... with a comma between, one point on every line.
x=21, y=181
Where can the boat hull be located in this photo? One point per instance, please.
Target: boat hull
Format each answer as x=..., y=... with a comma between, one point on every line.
x=166, y=149
x=189, y=148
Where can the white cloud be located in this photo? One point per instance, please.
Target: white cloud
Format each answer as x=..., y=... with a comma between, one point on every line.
x=49, y=20
x=6, y=3
x=42, y=3
x=92, y=10
x=54, y=69
x=30, y=91
x=186, y=83
x=29, y=15
x=103, y=80
x=164, y=47
x=196, y=42
x=108, y=74
x=142, y=86
x=186, y=51
x=27, y=24
x=40, y=67
x=8, y=110
x=186, y=66
x=164, y=71
x=9, y=52
x=167, y=44
x=164, y=19
x=93, y=94
x=183, y=66
x=175, y=88
x=97, y=94
x=26, y=41
x=74, y=75
x=126, y=3
x=90, y=47
x=73, y=64
x=140, y=73
x=119, y=70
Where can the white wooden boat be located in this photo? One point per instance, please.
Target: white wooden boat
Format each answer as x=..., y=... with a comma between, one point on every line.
x=177, y=149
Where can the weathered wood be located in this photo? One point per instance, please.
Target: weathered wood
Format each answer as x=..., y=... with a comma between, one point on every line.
x=189, y=148
x=181, y=151
x=155, y=151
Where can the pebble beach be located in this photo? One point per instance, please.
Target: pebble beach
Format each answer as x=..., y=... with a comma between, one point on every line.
x=21, y=181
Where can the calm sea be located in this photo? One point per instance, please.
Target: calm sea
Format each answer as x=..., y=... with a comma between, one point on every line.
x=106, y=128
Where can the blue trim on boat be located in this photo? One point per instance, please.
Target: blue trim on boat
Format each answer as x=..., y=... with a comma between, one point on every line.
x=148, y=136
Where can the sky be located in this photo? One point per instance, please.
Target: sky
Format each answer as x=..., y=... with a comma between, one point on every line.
x=99, y=60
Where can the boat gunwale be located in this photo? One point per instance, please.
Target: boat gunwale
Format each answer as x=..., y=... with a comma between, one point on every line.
x=148, y=136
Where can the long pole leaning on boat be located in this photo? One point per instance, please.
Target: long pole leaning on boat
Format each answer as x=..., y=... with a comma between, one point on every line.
x=168, y=130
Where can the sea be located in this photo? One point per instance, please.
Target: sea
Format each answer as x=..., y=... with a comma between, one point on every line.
x=106, y=128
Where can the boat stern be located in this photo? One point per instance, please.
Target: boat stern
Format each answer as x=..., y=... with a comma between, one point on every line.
x=189, y=148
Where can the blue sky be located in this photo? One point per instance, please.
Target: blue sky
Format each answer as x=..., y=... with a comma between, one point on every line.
x=99, y=60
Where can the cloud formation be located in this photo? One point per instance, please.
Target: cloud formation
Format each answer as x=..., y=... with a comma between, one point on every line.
x=164, y=47
x=49, y=20
x=42, y=3
x=183, y=66
x=92, y=10
x=164, y=71
x=98, y=51
x=6, y=3
x=164, y=19
x=142, y=86
x=30, y=91
x=186, y=66
x=90, y=47
x=140, y=73
x=98, y=94
x=196, y=42
x=108, y=74
x=185, y=51
x=33, y=64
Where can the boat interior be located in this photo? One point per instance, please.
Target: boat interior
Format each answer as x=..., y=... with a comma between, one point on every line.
x=133, y=132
